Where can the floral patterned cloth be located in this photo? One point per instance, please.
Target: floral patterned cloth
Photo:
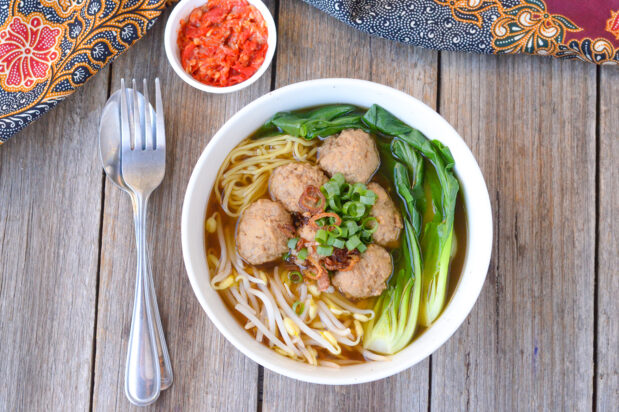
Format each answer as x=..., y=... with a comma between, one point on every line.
x=50, y=47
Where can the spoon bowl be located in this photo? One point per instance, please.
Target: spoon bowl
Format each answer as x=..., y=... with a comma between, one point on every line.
x=109, y=136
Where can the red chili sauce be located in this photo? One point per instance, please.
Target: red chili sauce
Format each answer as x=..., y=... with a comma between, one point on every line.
x=223, y=43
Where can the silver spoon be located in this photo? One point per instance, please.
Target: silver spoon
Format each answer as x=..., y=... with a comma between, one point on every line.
x=109, y=151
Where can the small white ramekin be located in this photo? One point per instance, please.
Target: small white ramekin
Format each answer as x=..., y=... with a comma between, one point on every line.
x=182, y=11
x=361, y=93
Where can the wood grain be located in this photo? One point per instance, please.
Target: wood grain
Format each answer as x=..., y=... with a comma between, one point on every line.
x=50, y=200
x=607, y=378
x=209, y=373
x=527, y=345
x=529, y=341
x=465, y=369
x=307, y=35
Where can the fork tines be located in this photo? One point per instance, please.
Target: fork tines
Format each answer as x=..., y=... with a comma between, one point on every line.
x=136, y=119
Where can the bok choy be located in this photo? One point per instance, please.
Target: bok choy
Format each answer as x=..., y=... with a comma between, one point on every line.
x=319, y=122
x=437, y=235
x=397, y=308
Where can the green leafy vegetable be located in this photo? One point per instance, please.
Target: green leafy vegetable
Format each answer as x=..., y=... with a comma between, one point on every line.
x=397, y=308
x=320, y=122
x=436, y=238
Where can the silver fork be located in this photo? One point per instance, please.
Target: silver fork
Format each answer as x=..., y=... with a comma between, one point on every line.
x=143, y=168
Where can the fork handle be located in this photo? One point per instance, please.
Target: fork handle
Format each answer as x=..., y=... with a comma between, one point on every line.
x=142, y=373
x=163, y=354
x=162, y=348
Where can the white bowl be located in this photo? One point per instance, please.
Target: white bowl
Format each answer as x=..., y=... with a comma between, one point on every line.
x=360, y=93
x=182, y=11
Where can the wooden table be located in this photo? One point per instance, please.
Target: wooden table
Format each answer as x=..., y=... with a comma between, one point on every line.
x=544, y=334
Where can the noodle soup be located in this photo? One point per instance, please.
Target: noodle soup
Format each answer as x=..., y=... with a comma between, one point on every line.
x=322, y=234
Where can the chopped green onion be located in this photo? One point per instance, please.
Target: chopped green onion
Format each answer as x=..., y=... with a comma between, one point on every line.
x=338, y=178
x=335, y=204
x=292, y=243
x=286, y=256
x=366, y=236
x=353, y=242
x=321, y=236
x=352, y=203
x=298, y=305
x=352, y=227
x=331, y=189
x=362, y=248
x=324, y=250
x=295, y=276
x=346, y=190
x=357, y=190
x=325, y=221
x=335, y=231
x=369, y=224
x=338, y=243
x=367, y=199
x=354, y=209
x=302, y=255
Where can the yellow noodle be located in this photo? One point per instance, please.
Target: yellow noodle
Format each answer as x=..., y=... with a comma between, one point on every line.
x=244, y=174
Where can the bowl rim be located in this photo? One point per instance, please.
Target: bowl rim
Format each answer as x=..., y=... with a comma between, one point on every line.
x=182, y=10
x=456, y=310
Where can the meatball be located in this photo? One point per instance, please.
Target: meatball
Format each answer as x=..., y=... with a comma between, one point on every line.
x=387, y=216
x=263, y=232
x=368, y=277
x=288, y=182
x=353, y=153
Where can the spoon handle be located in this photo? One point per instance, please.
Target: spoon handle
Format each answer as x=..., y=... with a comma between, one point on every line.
x=142, y=373
x=162, y=348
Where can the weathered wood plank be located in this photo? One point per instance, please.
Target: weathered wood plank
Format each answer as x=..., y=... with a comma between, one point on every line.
x=459, y=377
x=209, y=373
x=308, y=35
x=608, y=245
x=50, y=201
x=529, y=341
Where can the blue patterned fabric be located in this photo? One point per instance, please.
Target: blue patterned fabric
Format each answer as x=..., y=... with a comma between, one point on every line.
x=565, y=29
